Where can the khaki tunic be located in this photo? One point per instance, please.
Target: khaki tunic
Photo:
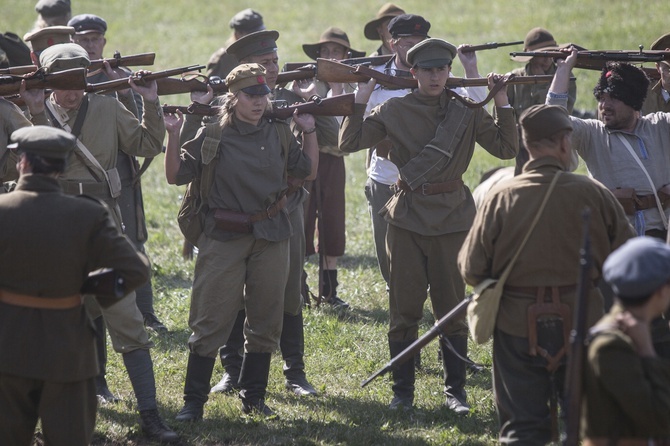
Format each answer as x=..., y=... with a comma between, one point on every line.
x=11, y=119
x=625, y=396
x=410, y=122
x=551, y=254
x=655, y=101
x=220, y=64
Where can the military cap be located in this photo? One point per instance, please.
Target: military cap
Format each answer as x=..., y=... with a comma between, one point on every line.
x=331, y=35
x=247, y=21
x=88, y=23
x=248, y=77
x=43, y=140
x=431, y=53
x=254, y=44
x=52, y=8
x=51, y=35
x=409, y=25
x=638, y=268
x=537, y=39
x=64, y=56
x=541, y=121
x=661, y=43
x=387, y=11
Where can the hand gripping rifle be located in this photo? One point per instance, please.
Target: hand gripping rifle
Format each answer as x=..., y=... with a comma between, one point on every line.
x=575, y=365
x=489, y=46
x=457, y=313
x=117, y=60
x=74, y=79
x=121, y=84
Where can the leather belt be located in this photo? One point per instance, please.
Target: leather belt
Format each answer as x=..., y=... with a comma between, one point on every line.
x=431, y=188
x=626, y=442
x=98, y=190
x=270, y=211
x=42, y=303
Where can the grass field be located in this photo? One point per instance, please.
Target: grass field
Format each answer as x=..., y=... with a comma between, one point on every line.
x=341, y=348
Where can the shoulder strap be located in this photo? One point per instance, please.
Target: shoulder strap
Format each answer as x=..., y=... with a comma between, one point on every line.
x=208, y=152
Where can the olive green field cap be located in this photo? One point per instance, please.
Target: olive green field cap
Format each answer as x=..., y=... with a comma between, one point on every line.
x=431, y=53
x=43, y=140
x=254, y=44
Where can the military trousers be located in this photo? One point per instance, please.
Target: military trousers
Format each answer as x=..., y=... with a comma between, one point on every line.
x=418, y=262
x=67, y=411
x=293, y=301
x=242, y=273
x=378, y=194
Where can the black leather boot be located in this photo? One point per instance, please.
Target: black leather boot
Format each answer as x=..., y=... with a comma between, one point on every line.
x=292, y=346
x=329, y=292
x=254, y=382
x=196, y=387
x=231, y=360
x=403, y=378
x=454, y=374
x=153, y=427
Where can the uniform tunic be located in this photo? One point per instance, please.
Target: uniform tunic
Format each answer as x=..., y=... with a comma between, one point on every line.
x=549, y=258
x=233, y=270
x=658, y=100
x=625, y=395
x=51, y=242
x=425, y=231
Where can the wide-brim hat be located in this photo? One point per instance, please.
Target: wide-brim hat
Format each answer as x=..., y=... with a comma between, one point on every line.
x=661, y=44
x=537, y=39
x=254, y=44
x=331, y=35
x=387, y=11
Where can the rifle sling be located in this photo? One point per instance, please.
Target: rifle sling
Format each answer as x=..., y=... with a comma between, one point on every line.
x=496, y=88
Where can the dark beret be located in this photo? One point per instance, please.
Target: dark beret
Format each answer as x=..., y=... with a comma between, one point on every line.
x=409, y=25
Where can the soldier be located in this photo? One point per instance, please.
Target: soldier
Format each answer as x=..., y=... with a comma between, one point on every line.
x=529, y=357
x=244, y=22
x=52, y=241
x=43, y=38
x=431, y=209
x=522, y=96
x=626, y=152
x=658, y=97
x=11, y=119
x=377, y=29
x=626, y=384
x=103, y=126
x=261, y=48
x=243, y=258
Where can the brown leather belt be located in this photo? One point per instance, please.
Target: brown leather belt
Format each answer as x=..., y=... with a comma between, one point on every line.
x=241, y=222
x=270, y=211
x=42, y=303
x=432, y=188
x=626, y=442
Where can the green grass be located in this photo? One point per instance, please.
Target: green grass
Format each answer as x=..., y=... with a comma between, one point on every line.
x=342, y=349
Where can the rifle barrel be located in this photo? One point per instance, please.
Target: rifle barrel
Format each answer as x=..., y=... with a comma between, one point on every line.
x=124, y=61
x=489, y=46
x=120, y=84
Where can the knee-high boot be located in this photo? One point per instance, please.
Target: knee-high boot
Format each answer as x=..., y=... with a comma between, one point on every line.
x=292, y=346
x=254, y=382
x=403, y=378
x=196, y=387
x=454, y=373
x=231, y=360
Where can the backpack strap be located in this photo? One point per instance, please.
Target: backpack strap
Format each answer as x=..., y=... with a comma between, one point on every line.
x=208, y=153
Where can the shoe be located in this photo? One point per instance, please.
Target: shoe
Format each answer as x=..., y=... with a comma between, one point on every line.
x=259, y=408
x=192, y=411
x=228, y=384
x=152, y=323
x=329, y=291
x=401, y=403
x=336, y=302
x=458, y=406
x=105, y=396
x=153, y=427
x=475, y=368
x=300, y=386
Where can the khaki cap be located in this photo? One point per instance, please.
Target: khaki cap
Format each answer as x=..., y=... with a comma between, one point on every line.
x=431, y=53
x=248, y=77
x=542, y=121
x=45, y=37
x=42, y=140
x=331, y=35
x=254, y=44
x=387, y=11
x=537, y=39
x=64, y=56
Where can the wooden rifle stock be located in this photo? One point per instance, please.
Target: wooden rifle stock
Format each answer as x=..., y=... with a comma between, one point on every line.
x=489, y=46
x=21, y=69
x=332, y=71
x=74, y=79
x=457, y=313
x=133, y=60
x=577, y=353
x=120, y=84
x=307, y=71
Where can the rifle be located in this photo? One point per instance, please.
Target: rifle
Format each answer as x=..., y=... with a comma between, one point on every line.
x=597, y=59
x=489, y=46
x=74, y=79
x=22, y=69
x=457, y=313
x=371, y=60
x=573, y=381
x=342, y=105
x=123, y=61
x=120, y=84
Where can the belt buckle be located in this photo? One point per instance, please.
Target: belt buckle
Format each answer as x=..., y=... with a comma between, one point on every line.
x=424, y=188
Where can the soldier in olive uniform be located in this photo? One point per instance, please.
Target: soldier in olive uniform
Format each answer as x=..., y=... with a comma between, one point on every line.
x=431, y=209
x=51, y=242
x=243, y=265
x=529, y=357
x=658, y=97
x=626, y=384
x=103, y=127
